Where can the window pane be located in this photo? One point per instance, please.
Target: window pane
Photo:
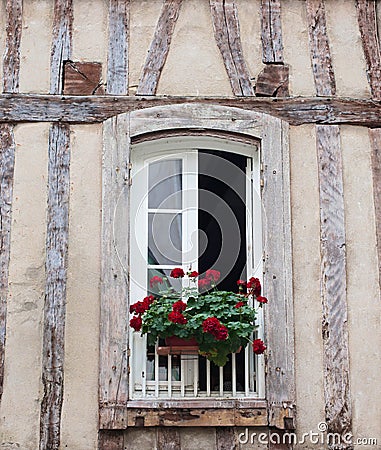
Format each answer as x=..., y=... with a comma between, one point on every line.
x=164, y=238
x=167, y=282
x=165, y=184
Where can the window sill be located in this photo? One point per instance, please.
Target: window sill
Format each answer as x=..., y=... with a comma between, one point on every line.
x=185, y=413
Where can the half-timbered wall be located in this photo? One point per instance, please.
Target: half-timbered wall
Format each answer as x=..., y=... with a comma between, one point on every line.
x=295, y=55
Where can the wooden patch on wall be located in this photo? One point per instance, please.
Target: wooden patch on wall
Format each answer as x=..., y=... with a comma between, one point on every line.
x=273, y=81
x=82, y=78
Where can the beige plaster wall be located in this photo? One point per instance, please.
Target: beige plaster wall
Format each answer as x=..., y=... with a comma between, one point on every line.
x=20, y=405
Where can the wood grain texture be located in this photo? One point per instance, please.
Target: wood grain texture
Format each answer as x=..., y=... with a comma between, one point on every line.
x=367, y=20
x=271, y=31
x=159, y=48
x=11, y=70
x=118, y=47
x=333, y=281
x=82, y=78
x=61, y=42
x=280, y=378
x=272, y=81
x=92, y=109
x=7, y=162
x=111, y=440
x=227, y=35
x=168, y=438
x=319, y=49
x=113, y=391
x=375, y=141
x=55, y=290
x=11, y=59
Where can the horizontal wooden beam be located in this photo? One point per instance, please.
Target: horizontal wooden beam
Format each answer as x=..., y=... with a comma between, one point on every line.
x=91, y=109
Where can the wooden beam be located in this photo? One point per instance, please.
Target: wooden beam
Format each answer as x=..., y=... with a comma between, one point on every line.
x=333, y=281
x=111, y=440
x=325, y=84
x=159, y=48
x=226, y=438
x=113, y=378
x=92, y=109
x=11, y=70
x=118, y=46
x=168, y=438
x=55, y=290
x=271, y=25
x=227, y=35
x=61, y=42
x=367, y=19
x=53, y=345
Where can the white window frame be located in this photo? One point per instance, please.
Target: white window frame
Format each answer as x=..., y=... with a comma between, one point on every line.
x=186, y=148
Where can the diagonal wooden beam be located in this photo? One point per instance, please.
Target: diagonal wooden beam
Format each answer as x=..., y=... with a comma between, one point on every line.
x=271, y=35
x=57, y=237
x=117, y=64
x=324, y=77
x=367, y=20
x=11, y=69
x=159, y=48
x=338, y=410
x=227, y=35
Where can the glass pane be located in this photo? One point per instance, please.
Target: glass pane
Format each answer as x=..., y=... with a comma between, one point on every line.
x=159, y=280
x=164, y=238
x=165, y=184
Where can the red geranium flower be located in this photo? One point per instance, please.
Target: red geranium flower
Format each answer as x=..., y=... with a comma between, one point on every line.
x=139, y=307
x=177, y=273
x=259, y=346
x=179, y=306
x=204, y=283
x=255, y=285
x=221, y=333
x=261, y=299
x=241, y=283
x=210, y=324
x=193, y=274
x=136, y=323
x=213, y=275
x=240, y=304
x=155, y=280
x=177, y=317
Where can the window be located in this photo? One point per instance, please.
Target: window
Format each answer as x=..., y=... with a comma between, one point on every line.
x=195, y=204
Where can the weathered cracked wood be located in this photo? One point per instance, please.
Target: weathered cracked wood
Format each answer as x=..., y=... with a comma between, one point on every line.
x=82, y=78
x=11, y=59
x=333, y=281
x=81, y=109
x=272, y=81
x=227, y=35
x=226, y=438
x=61, y=43
x=159, y=48
x=367, y=19
x=271, y=25
x=325, y=84
x=55, y=290
x=7, y=162
x=111, y=440
x=375, y=141
x=113, y=378
x=280, y=377
x=118, y=47
x=168, y=438
x=11, y=69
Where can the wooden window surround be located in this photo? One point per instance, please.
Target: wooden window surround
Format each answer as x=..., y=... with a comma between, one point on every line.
x=116, y=409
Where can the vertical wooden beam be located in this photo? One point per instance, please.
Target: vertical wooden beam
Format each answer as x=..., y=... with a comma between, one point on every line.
x=338, y=412
x=168, y=438
x=56, y=240
x=117, y=65
x=227, y=35
x=367, y=19
x=324, y=78
x=159, y=48
x=113, y=381
x=61, y=43
x=11, y=69
x=272, y=43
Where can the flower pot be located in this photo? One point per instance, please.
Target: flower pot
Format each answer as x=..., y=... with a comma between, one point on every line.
x=178, y=346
